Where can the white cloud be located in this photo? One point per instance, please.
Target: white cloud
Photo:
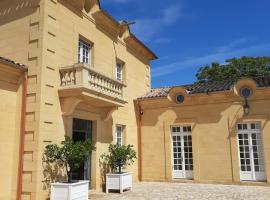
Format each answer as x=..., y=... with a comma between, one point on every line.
x=171, y=14
x=220, y=56
x=145, y=29
x=234, y=44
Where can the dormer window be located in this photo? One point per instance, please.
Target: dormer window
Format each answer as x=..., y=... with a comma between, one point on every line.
x=84, y=52
x=180, y=98
x=119, y=71
x=246, y=92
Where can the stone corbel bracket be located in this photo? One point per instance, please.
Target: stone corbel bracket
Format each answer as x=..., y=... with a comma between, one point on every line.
x=108, y=113
x=85, y=4
x=91, y=5
x=124, y=30
x=69, y=104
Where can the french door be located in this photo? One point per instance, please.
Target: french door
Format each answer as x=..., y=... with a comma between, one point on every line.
x=182, y=152
x=81, y=131
x=251, y=155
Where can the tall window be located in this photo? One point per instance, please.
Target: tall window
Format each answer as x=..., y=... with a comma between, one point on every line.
x=119, y=71
x=119, y=134
x=84, y=51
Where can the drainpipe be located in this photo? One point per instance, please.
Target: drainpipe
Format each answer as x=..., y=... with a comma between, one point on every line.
x=230, y=146
x=164, y=146
x=139, y=142
x=22, y=130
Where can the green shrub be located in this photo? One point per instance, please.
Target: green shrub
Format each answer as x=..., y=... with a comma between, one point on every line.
x=119, y=157
x=71, y=154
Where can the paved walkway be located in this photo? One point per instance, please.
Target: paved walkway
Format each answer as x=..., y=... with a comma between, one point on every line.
x=187, y=191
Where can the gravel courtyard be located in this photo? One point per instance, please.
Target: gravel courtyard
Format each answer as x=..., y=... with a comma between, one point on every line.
x=187, y=191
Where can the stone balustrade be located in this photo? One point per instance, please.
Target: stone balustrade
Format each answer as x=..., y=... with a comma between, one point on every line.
x=82, y=76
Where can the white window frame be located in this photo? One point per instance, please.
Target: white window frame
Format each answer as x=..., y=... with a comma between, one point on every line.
x=252, y=174
x=119, y=131
x=119, y=71
x=181, y=130
x=84, y=52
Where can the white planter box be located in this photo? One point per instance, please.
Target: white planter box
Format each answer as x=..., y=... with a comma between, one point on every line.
x=118, y=182
x=70, y=191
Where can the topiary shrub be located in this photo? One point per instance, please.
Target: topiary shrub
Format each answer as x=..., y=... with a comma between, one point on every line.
x=119, y=157
x=70, y=154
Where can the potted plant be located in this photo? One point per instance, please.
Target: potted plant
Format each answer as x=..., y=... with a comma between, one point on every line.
x=118, y=158
x=71, y=155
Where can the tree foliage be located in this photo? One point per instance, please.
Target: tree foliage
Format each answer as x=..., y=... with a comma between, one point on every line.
x=119, y=156
x=71, y=154
x=234, y=69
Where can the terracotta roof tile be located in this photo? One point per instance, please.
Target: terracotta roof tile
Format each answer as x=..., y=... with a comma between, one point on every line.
x=204, y=87
x=11, y=62
x=157, y=92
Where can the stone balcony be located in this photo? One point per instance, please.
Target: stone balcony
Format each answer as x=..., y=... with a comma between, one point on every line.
x=82, y=83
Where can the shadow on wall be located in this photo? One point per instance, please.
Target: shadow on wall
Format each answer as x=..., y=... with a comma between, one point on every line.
x=232, y=112
x=71, y=8
x=238, y=116
x=104, y=169
x=107, y=131
x=137, y=55
x=203, y=114
x=198, y=114
x=8, y=86
x=52, y=173
x=11, y=10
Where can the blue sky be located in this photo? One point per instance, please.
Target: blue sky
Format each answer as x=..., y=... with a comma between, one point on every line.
x=187, y=34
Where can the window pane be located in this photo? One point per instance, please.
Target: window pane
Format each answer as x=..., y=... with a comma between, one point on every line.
x=84, y=52
x=257, y=169
x=119, y=135
x=119, y=141
x=119, y=71
x=240, y=127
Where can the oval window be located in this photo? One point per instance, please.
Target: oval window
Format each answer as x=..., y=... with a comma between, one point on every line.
x=180, y=98
x=246, y=92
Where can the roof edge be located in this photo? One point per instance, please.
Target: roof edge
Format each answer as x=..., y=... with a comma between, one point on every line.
x=12, y=63
x=120, y=23
x=205, y=87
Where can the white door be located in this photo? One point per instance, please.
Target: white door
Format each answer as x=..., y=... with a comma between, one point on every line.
x=182, y=152
x=251, y=156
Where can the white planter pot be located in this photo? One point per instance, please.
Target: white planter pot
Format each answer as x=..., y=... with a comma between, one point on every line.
x=70, y=191
x=118, y=182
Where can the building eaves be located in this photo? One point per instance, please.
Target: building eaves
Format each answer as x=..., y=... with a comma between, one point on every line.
x=13, y=63
x=203, y=87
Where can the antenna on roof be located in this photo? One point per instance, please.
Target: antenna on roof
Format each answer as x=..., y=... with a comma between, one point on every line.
x=123, y=22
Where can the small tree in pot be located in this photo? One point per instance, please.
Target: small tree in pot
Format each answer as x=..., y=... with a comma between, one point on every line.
x=71, y=155
x=117, y=158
